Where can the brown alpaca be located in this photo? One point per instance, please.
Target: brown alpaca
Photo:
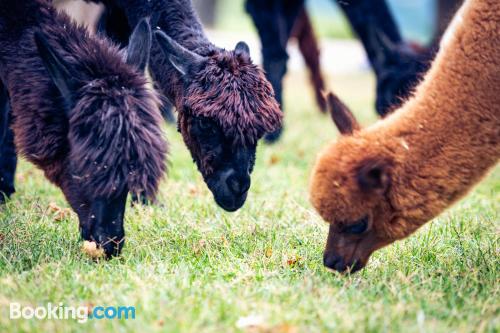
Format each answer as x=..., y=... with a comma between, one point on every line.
x=380, y=184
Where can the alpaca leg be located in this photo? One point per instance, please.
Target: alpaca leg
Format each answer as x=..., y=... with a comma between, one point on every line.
x=274, y=21
x=365, y=15
x=8, y=157
x=309, y=48
x=396, y=66
x=271, y=27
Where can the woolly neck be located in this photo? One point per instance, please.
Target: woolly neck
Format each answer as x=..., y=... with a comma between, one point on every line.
x=448, y=136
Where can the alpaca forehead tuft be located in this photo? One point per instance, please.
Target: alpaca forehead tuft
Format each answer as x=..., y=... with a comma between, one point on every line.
x=334, y=188
x=238, y=98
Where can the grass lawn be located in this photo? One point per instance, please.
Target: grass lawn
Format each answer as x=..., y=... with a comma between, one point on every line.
x=188, y=266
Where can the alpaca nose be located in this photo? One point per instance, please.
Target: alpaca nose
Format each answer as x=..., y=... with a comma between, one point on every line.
x=334, y=262
x=238, y=184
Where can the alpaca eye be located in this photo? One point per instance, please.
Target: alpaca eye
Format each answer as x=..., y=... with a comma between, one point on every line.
x=358, y=228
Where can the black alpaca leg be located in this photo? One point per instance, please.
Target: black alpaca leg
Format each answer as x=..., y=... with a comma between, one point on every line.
x=274, y=22
x=365, y=15
x=397, y=67
x=8, y=158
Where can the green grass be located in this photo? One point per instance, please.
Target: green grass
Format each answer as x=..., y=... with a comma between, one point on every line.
x=188, y=266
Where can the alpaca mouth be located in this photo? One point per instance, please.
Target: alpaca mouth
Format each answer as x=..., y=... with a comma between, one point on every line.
x=337, y=263
x=230, y=190
x=230, y=203
x=104, y=224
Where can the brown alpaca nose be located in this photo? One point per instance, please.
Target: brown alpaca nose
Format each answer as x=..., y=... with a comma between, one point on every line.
x=338, y=263
x=238, y=184
x=334, y=262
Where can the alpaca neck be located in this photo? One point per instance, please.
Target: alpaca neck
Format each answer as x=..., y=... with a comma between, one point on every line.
x=448, y=136
x=178, y=19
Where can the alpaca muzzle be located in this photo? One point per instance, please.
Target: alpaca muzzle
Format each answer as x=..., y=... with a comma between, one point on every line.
x=349, y=253
x=105, y=223
x=338, y=263
x=230, y=189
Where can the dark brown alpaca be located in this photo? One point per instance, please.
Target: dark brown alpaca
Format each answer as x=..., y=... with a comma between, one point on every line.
x=224, y=102
x=380, y=184
x=82, y=114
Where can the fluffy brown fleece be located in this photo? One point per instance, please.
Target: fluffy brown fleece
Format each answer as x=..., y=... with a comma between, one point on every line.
x=380, y=184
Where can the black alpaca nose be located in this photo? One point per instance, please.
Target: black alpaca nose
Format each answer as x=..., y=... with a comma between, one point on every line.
x=238, y=184
x=334, y=262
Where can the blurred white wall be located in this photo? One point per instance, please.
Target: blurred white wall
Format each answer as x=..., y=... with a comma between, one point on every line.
x=82, y=12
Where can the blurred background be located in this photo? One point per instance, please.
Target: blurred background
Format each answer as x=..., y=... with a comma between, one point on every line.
x=343, y=59
x=415, y=17
x=227, y=23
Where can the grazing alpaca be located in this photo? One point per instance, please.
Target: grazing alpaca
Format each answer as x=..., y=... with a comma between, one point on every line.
x=380, y=184
x=397, y=67
x=82, y=114
x=224, y=102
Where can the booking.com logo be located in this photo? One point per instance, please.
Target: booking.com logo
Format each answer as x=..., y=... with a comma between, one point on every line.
x=62, y=312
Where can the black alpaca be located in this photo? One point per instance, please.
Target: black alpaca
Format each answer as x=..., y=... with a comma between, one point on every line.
x=224, y=102
x=80, y=113
x=397, y=67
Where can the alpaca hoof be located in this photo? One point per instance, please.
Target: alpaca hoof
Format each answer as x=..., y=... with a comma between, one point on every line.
x=273, y=136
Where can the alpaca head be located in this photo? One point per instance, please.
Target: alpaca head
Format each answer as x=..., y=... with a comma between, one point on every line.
x=350, y=188
x=115, y=144
x=226, y=107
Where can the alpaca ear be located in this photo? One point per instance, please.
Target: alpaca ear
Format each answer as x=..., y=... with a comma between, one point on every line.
x=242, y=48
x=373, y=176
x=342, y=116
x=181, y=58
x=59, y=70
x=139, y=46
